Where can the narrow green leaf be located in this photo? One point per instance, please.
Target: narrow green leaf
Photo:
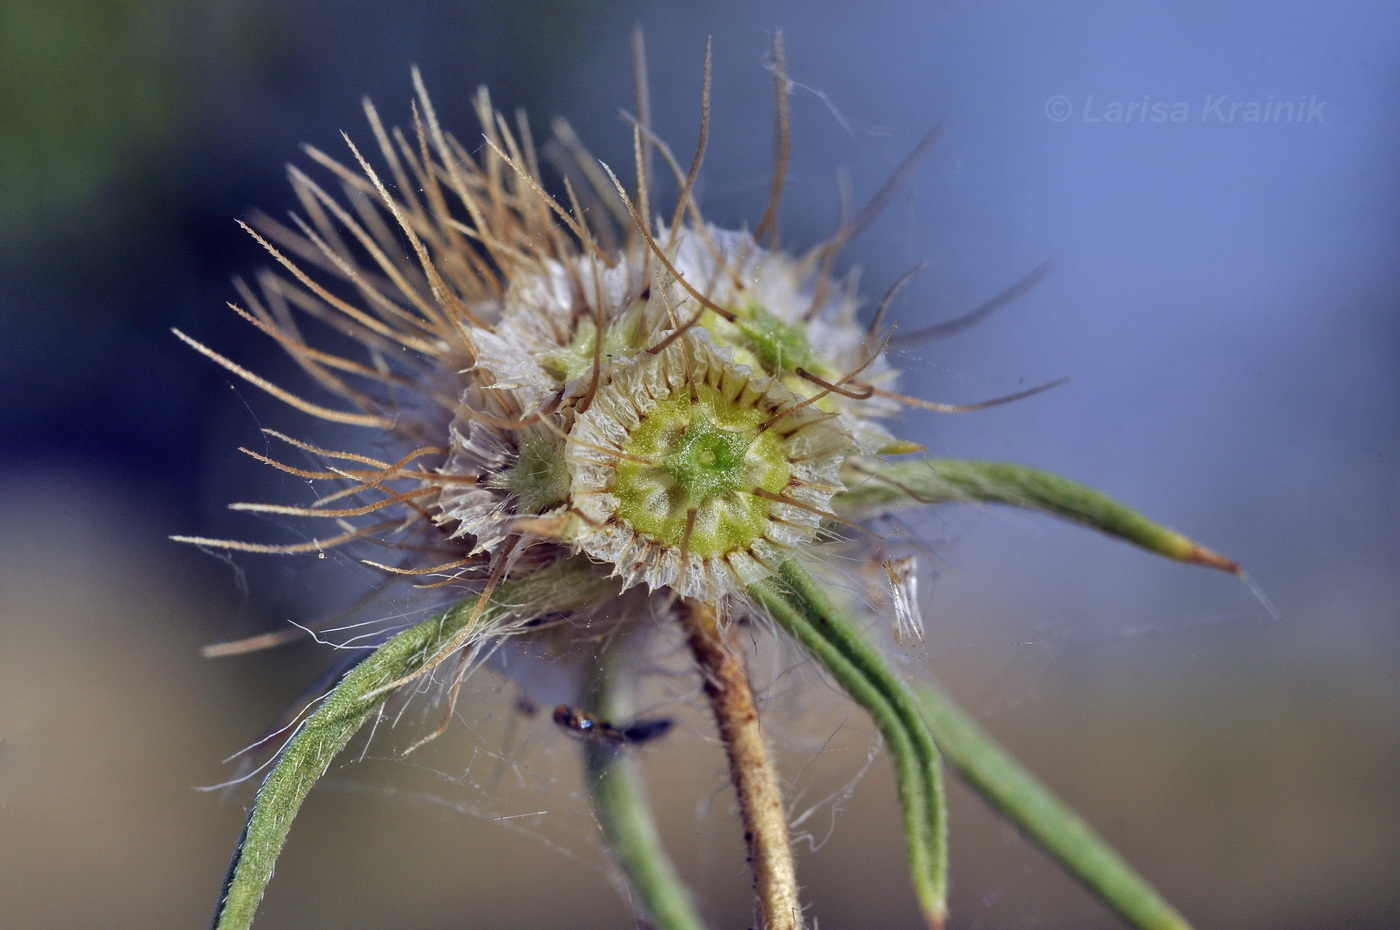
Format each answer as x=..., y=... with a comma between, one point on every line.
x=931, y=481
x=1027, y=803
x=798, y=605
x=306, y=755
x=912, y=723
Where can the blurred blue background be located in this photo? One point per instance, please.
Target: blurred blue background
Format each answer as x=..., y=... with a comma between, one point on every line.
x=1224, y=296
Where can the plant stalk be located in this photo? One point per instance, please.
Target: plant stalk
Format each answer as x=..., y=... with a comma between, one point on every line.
x=751, y=768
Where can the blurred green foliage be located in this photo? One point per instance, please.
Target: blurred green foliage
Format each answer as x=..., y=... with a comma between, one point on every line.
x=89, y=93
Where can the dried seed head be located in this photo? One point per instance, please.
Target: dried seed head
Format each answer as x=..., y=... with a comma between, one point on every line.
x=674, y=403
x=667, y=404
x=686, y=415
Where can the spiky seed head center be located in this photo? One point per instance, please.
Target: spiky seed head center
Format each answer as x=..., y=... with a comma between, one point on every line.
x=702, y=455
x=708, y=460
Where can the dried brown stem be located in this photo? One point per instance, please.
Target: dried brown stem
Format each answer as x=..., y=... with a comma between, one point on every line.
x=750, y=767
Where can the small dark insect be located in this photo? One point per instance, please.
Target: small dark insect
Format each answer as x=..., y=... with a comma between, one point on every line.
x=590, y=727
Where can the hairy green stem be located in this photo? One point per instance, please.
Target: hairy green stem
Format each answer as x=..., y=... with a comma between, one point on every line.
x=320, y=737
x=621, y=807
x=802, y=609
